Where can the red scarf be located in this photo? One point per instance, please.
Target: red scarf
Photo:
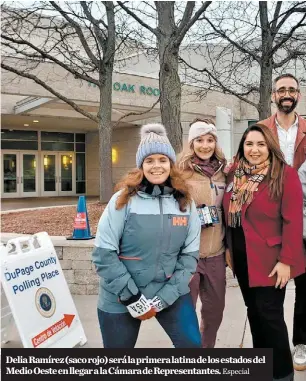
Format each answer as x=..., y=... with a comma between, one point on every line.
x=206, y=167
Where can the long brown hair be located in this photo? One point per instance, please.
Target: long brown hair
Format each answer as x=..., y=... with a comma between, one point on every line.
x=275, y=174
x=132, y=182
x=185, y=161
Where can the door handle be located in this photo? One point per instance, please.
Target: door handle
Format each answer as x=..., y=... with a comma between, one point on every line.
x=59, y=179
x=21, y=180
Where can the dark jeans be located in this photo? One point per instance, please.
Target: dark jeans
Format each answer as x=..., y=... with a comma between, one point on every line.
x=299, y=319
x=178, y=320
x=265, y=310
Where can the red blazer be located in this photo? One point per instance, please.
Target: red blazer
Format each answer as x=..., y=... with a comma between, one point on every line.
x=273, y=229
x=300, y=142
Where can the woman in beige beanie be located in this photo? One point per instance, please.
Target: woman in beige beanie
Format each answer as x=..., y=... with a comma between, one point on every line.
x=203, y=166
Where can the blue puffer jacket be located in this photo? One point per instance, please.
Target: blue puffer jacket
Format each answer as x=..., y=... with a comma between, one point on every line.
x=149, y=245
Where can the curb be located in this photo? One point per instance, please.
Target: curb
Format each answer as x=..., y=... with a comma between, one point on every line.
x=56, y=240
x=40, y=207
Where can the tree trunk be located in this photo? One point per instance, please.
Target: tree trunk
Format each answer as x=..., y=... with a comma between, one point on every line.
x=264, y=106
x=169, y=81
x=105, y=136
x=170, y=97
x=266, y=64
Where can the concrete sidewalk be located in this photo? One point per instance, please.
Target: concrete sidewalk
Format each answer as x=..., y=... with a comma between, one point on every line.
x=233, y=333
x=39, y=202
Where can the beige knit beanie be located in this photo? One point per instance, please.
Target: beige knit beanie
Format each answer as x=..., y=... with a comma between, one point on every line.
x=200, y=128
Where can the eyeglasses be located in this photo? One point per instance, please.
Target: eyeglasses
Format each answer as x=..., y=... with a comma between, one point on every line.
x=291, y=91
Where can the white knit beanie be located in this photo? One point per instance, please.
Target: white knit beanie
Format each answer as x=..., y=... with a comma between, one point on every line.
x=200, y=128
x=153, y=140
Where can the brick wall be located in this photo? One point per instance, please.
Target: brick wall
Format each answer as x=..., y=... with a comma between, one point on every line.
x=75, y=261
x=78, y=269
x=80, y=273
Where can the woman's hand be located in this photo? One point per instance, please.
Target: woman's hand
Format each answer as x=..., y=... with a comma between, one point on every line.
x=139, y=307
x=283, y=274
x=228, y=259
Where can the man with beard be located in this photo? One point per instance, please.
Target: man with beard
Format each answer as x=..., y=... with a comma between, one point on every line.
x=290, y=130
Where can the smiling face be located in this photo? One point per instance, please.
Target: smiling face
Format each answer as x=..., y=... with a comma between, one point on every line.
x=286, y=95
x=255, y=148
x=204, y=146
x=156, y=168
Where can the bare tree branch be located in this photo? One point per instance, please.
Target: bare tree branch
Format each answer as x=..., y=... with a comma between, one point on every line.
x=225, y=89
x=45, y=55
x=134, y=113
x=276, y=16
x=242, y=49
x=138, y=19
x=289, y=35
x=234, y=43
x=293, y=55
x=99, y=34
x=52, y=91
x=78, y=31
x=288, y=13
x=186, y=25
x=186, y=16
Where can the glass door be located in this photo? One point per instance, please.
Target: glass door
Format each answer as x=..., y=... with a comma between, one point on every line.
x=66, y=173
x=28, y=178
x=49, y=181
x=10, y=174
x=58, y=174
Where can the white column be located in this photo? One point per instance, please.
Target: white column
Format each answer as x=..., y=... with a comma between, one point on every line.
x=224, y=125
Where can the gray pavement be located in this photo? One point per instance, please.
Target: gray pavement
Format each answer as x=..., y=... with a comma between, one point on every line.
x=37, y=202
x=233, y=333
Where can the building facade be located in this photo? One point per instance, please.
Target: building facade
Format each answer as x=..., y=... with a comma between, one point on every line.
x=48, y=149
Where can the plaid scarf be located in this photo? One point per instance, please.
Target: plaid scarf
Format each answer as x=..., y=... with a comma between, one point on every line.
x=206, y=167
x=246, y=181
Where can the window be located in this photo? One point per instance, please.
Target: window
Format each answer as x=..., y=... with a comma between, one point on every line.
x=56, y=137
x=79, y=147
x=57, y=146
x=19, y=139
x=62, y=141
x=19, y=144
x=80, y=173
x=18, y=135
x=250, y=122
x=50, y=141
x=80, y=138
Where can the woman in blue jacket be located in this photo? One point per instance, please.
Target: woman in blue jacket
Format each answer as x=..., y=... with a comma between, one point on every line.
x=147, y=248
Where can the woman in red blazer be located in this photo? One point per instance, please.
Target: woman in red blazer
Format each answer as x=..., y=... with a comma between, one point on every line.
x=263, y=207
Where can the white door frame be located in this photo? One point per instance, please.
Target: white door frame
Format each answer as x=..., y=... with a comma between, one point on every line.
x=17, y=193
x=58, y=175
x=28, y=194
x=72, y=192
x=44, y=193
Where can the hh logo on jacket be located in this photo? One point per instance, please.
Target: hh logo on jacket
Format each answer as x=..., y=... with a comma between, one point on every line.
x=179, y=221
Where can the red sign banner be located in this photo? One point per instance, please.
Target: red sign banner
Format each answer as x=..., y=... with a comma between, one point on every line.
x=55, y=328
x=80, y=221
